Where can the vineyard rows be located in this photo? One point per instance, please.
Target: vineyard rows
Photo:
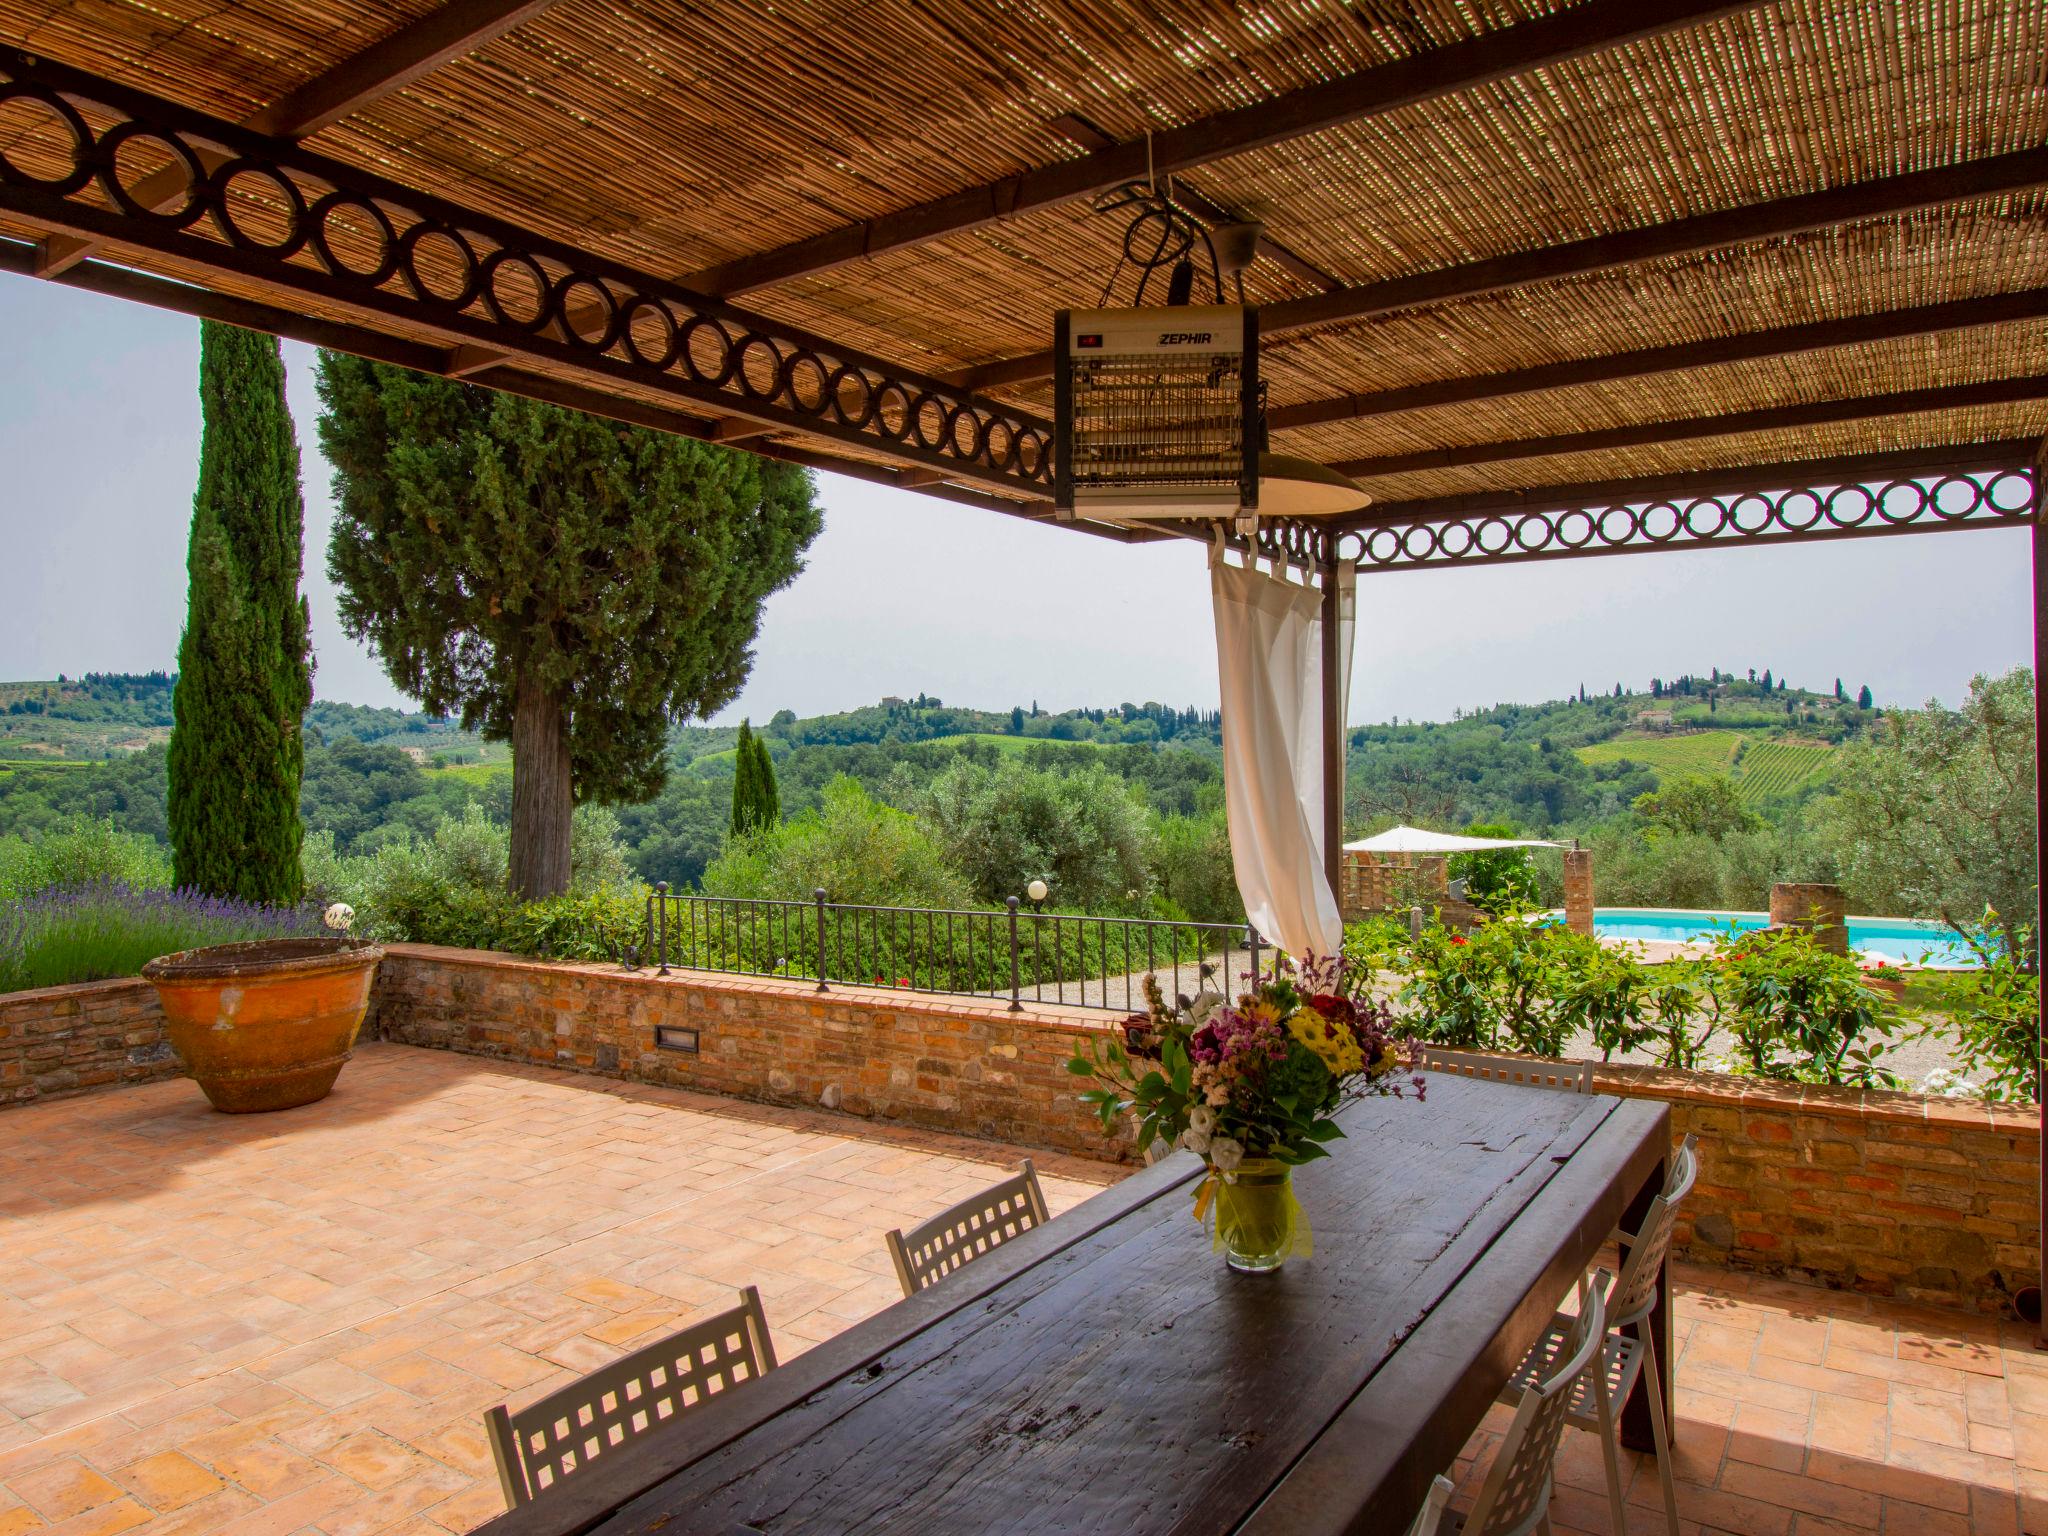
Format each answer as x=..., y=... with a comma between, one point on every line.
x=1766, y=770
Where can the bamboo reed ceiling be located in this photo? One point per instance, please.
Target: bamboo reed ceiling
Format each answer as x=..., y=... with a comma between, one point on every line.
x=679, y=139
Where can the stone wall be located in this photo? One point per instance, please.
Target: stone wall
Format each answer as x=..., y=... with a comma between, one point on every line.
x=1821, y=910
x=1578, y=890
x=1892, y=1194
x=58, y=1040
x=948, y=1063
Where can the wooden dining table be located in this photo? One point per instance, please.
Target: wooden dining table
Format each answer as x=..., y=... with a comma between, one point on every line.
x=1108, y=1373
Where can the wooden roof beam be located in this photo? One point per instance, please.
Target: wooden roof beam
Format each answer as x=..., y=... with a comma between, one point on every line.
x=1887, y=196
x=458, y=27
x=1805, y=413
x=1592, y=27
x=1648, y=362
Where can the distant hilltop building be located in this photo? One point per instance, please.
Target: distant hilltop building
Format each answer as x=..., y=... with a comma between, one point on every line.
x=890, y=701
x=417, y=754
x=1655, y=719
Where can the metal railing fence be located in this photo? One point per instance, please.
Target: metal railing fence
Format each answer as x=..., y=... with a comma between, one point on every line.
x=1020, y=953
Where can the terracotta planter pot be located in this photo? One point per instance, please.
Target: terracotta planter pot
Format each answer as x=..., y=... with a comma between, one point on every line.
x=265, y=1025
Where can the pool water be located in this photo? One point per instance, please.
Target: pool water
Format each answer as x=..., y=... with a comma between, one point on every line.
x=1899, y=940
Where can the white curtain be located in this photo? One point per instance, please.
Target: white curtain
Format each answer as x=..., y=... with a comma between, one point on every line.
x=1269, y=657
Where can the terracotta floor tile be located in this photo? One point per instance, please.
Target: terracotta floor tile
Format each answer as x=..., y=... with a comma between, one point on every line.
x=63, y=1489
x=101, y=1520
x=1936, y=1417
x=168, y=1480
x=1850, y=1426
x=1850, y=1506
x=1769, y=1437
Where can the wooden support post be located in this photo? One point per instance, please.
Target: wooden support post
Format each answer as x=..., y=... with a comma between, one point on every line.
x=2040, y=538
x=1333, y=730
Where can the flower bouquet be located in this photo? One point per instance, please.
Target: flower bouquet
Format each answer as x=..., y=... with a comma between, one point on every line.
x=1251, y=1087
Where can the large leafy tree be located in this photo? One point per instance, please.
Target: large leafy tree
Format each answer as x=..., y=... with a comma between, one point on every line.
x=244, y=664
x=562, y=581
x=1935, y=815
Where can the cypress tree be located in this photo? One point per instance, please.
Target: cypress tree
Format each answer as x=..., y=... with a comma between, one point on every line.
x=244, y=664
x=768, y=797
x=755, y=801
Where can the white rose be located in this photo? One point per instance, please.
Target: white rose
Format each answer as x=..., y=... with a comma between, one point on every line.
x=1202, y=1118
x=1226, y=1153
x=1195, y=1141
x=1204, y=1004
x=340, y=916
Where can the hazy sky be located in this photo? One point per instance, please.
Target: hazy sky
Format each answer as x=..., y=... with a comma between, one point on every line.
x=99, y=426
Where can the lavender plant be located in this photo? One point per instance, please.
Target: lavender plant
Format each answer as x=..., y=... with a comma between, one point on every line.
x=108, y=928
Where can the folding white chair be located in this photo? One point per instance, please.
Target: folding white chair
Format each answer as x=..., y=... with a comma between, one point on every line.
x=1522, y=1071
x=1596, y=1397
x=956, y=1237
x=553, y=1439
x=1515, y=1498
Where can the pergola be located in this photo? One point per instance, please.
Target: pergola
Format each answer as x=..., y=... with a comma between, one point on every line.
x=1551, y=280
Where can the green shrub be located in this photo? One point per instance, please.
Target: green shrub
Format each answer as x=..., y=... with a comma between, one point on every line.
x=1497, y=988
x=85, y=852
x=589, y=925
x=1790, y=1009
x=851, y=846
x=1996, y=1014
x=1496, y=879
x=451, y=888
x=1797, y=1011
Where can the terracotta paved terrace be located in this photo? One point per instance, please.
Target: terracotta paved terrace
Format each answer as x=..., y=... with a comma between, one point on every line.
x=292, y=1323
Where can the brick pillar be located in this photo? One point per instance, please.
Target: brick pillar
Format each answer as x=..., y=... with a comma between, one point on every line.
x=1820, y=909
x=1578, y=890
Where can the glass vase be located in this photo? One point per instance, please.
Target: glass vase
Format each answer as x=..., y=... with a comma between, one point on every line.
x=1255, y=1216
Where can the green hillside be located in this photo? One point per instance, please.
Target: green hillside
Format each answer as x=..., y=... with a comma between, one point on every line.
x=1667, y=752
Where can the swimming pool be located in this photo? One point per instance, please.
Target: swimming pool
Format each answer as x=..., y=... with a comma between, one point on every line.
x=1896, y=939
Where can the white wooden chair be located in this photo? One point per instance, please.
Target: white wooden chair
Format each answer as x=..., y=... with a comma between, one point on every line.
x=1601, y=1388
x=927, y=1254
x=557, y=1437
x=1430, y=1518
x=1522, y=1071
x=1515, y=1498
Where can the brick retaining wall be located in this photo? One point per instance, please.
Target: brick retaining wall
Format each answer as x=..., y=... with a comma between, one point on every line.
x=947, y=1063
x=1892, y=1194
x=57, y=1040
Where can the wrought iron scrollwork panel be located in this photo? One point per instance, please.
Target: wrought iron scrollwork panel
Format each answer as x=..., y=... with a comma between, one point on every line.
x=1999, y=497
x=110, y=164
